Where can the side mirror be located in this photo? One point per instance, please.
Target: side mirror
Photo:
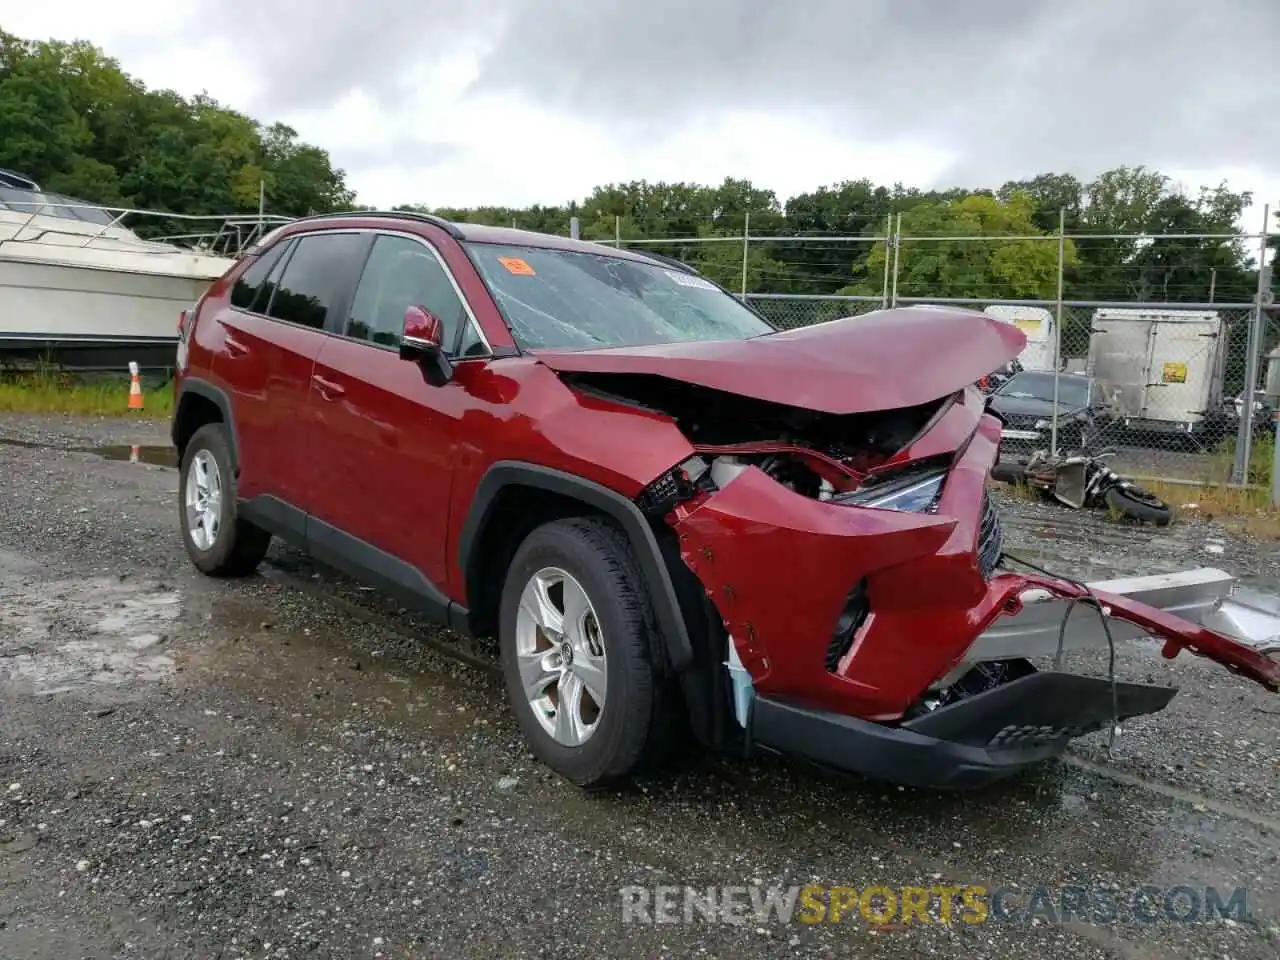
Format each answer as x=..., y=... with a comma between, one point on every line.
x=423, y=342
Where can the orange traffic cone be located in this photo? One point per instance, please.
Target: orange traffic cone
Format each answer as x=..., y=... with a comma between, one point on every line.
x=135, y=387
x=134, y=453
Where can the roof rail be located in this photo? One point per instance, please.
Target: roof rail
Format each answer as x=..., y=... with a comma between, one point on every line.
x=446, y=225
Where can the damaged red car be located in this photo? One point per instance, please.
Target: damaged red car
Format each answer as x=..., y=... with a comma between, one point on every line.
x=670, y=515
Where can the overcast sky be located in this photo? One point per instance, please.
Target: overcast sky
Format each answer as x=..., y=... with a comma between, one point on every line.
x=536, y=101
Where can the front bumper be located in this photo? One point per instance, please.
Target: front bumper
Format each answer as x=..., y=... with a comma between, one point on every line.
x=1002, y=731
x=967, y=744
x=843, y=687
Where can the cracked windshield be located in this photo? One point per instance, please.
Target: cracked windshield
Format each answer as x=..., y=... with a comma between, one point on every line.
x=560, y=299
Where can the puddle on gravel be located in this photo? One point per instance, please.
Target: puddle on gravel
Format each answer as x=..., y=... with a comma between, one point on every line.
x=157, y=454
x=68, y=635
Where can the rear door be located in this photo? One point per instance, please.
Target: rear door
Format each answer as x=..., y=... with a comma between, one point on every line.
x=242, y=362
x=278, y=340
x=1183, y=352
x=1120, y=360
x=391, y=439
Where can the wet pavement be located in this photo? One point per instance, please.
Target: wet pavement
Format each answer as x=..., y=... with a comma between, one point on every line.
x=289, y=766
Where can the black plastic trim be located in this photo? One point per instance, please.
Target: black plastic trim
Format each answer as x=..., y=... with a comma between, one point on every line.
x=964, y=745
x=280, y=518
x=506, y=473
x=203, y=388
x=379, y=569
x=356, y=558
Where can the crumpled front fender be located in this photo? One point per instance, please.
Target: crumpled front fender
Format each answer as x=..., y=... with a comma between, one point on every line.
x=779, y=568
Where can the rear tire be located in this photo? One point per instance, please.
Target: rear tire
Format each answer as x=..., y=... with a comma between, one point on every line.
x=219, y=542
x=558, y=667
x=1137, y=504
x=1006, y=472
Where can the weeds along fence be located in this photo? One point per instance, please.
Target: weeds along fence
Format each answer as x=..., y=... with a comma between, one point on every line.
x=1189, y=329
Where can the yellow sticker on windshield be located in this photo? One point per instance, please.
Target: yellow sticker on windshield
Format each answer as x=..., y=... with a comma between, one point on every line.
x=517, y=266
x=1175, y=373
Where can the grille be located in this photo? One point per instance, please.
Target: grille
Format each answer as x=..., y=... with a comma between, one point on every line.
x=855, y=612
x=990, y=538
x=660, y=496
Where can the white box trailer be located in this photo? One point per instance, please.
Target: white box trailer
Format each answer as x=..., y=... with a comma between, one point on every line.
x=1037, y=324
x=1160, y=370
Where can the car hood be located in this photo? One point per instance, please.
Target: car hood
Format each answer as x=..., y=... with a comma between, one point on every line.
x=1029, y=407
x=885, y=360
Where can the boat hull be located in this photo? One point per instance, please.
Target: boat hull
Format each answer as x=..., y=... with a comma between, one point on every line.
x=80, y=316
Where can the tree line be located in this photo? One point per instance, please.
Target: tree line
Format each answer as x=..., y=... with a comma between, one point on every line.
x=790, y=250
x=73, y=120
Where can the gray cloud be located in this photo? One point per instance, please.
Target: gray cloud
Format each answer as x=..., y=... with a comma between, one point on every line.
x=309, y=54
x=1013, y=88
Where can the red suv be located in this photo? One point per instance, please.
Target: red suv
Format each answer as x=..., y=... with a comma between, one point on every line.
x=670, y=514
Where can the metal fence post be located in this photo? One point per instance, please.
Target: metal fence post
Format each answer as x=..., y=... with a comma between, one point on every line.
x=746, y=234
x=897, y=243
x=888, y=229
x=1057, y=330
x=1244, y=433
x=575, y=227
x=617, y=232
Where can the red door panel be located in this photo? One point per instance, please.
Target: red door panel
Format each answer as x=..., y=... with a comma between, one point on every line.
x=390, y=444
x=270, y=359
x=266, y=366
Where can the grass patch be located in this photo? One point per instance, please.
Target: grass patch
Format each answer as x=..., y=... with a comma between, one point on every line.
x=1244, y=510
x=54, y=392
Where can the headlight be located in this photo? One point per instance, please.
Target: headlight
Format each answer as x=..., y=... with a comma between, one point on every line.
x=914, y=494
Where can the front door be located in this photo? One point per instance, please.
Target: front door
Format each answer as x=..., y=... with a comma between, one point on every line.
x=390, y=437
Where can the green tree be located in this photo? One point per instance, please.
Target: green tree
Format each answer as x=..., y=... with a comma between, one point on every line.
x=935, y=266
x=77, y=124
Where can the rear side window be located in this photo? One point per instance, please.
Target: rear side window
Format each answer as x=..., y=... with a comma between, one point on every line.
x=314, y=276
x=250, y=289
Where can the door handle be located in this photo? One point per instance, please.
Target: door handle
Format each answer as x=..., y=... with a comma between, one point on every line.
x=235, y=347
x=328, y=389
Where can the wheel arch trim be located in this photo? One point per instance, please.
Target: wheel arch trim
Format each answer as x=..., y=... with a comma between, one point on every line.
x=505, y=474
x=194, y=386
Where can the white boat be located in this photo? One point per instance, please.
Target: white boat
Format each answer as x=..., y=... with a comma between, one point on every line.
x=79, y=286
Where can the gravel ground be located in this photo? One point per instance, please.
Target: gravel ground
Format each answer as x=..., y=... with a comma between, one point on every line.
x=290, y=767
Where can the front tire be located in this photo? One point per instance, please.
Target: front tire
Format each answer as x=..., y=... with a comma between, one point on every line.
x=219, y=542
x=1135, y=503
x=575, y=641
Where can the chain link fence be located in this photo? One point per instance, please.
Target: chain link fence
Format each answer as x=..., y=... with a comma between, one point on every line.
x=1162, y=384
x=1178, y=371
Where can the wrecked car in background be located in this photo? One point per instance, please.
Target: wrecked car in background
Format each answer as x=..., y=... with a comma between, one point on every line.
x=669, y=513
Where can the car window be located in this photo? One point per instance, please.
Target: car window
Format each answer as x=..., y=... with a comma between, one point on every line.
x=250, y=289
x=313, y=277
x=401, y=273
